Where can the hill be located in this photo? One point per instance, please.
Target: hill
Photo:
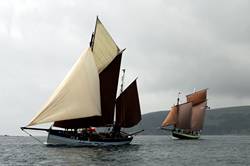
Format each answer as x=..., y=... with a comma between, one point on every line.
x=231, y=120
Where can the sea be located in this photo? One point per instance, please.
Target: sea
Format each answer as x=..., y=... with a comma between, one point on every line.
x=223, y=150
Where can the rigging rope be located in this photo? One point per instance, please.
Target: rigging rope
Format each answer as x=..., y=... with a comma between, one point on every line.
x=169, y=135
x=33, y=137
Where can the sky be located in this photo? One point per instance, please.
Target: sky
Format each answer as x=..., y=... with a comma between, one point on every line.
x=171, y=46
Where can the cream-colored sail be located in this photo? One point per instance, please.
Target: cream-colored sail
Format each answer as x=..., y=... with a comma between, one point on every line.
x=198, y=115
x=171, y=117
x=104, y=47
x=77, y=96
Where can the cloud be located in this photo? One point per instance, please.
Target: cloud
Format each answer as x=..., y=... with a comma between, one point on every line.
x=171, y=46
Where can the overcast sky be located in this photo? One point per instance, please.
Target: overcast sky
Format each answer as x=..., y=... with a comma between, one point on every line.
x=171, y=46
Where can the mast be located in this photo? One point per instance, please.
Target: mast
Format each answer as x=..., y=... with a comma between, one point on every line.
x=117, y=128
x=91, y=43
x=178, y=98
x=123, y=76
x=177, y=107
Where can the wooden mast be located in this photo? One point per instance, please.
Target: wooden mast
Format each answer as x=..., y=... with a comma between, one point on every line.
x=117, y=127
x=177, y=107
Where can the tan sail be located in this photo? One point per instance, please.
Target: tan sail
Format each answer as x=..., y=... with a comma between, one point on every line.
x=108, y=87
x=184, y=112
x=103, y=46
x=198, y=115
x=108, y=62
x=197, y=97
x=171, y=118
x=77, y=96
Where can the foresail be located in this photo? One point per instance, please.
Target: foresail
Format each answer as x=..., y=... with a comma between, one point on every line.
x=103, y=46
x=198, y=116
x=77, y=96
x=128, y=112
x=184, y=112
x=171, y=118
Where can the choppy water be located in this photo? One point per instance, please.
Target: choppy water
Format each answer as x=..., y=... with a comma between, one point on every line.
x=144, y=150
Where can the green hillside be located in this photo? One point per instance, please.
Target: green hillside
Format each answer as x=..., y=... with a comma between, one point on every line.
x=231, y=120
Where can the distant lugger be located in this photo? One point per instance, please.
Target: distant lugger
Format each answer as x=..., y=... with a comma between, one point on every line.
x=187, y=119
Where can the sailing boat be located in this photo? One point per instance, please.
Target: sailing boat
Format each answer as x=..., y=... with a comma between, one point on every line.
x=187, y=118
x=86, y=99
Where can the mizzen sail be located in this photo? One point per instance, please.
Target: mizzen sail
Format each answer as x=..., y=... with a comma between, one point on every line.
x=199, y=102
x=80, y=90
x=198, y=115
x=128, y=112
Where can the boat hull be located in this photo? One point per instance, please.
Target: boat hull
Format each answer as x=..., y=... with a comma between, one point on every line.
x=181, y=135
x=57, y=140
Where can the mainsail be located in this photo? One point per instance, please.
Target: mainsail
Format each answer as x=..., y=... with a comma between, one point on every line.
x=184, y=112
x=108, y=87
x=128, y=112
x=108, y=60
x=69, y=99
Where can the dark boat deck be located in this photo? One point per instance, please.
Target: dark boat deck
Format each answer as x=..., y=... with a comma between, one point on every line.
x=103, y=137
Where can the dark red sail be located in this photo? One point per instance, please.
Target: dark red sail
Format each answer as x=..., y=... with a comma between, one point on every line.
x=128, y=112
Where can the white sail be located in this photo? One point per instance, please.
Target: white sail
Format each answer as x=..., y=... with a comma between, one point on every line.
x=77, y=96
x=104, y=47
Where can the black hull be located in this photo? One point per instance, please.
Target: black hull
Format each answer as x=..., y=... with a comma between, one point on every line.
x=60, y=138
x=181, y=135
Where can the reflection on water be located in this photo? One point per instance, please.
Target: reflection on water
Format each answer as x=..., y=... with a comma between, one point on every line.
x=144, y=150
x=96, y=155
